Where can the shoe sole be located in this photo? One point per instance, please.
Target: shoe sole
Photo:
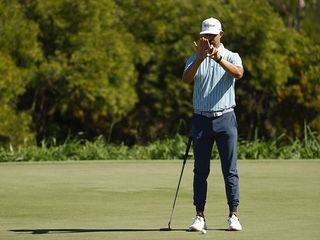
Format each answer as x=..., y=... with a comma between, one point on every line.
x=195, y=229
x=234, y=229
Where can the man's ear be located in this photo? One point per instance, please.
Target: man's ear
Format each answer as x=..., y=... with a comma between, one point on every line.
x=221, y=33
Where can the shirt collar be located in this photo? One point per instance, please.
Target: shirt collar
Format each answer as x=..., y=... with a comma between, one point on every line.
x=221, y=47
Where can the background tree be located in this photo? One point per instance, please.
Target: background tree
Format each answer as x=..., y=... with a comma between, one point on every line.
x=265, y=46
x=299, y=98
x=85, y=83
x=292, y=11
x=270, y=53
x=113, y=68
x=166, y=30
x=19, y=54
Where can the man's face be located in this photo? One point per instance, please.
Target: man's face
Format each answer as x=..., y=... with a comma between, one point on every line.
x=214, y=39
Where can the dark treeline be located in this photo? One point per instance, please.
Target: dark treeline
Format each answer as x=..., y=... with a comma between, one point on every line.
x=88, y=68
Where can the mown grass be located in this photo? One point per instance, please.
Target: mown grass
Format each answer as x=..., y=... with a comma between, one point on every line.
x=280, y=148
x=130, y=200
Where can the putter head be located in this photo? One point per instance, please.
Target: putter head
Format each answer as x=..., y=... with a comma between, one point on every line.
x=165, y=229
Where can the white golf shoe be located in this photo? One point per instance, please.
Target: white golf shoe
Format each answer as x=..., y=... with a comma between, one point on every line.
x=198, y=225
x=234, y=223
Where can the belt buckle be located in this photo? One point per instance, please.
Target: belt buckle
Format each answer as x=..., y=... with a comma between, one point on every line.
x=217, y=114
x=212, y=114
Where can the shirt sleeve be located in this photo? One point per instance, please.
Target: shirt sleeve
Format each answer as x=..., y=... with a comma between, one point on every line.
x=189, y=62
x=236, y=60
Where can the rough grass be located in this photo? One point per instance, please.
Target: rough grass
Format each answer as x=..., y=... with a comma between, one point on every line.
x=133, y=199
x=280, y=148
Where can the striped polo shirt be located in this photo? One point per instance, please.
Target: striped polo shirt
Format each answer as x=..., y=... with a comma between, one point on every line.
x=213, y=86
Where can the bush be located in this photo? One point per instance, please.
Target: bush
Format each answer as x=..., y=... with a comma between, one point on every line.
x=280, y=148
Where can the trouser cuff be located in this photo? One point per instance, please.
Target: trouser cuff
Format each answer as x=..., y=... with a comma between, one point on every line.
x=200, y=208
x=233, y=208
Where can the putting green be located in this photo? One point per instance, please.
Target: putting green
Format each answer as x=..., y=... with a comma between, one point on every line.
x=133, y=200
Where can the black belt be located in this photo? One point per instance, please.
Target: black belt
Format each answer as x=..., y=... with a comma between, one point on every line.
x=213, y=114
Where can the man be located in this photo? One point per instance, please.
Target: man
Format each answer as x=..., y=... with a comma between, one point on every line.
x=214, y=70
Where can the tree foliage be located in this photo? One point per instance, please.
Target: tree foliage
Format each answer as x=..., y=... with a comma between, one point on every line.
x=113, y=67
x=86, y=81
x=19, y=52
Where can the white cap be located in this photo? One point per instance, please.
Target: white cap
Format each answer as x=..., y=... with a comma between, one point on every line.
x=211, y=26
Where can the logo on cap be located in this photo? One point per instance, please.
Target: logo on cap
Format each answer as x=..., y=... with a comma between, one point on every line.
x=211, y=26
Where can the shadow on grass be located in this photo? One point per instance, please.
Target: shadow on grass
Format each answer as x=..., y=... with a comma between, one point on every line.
x=67, y=230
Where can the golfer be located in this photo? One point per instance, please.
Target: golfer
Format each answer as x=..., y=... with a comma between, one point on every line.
x=214, y=71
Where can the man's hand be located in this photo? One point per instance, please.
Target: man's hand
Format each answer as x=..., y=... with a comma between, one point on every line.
x=203, y=48
x=215, y=55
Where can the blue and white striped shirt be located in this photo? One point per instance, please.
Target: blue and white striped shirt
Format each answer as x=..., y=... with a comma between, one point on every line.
x=213, y=86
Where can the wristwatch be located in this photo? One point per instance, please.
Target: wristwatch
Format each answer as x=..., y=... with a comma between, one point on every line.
x=219, y=60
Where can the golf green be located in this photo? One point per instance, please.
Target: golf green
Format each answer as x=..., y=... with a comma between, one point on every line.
x=133, y=200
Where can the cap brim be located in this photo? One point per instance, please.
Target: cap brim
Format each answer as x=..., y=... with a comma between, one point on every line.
x=210, y=32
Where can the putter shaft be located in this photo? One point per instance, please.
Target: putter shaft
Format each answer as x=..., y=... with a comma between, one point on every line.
x=183, y=165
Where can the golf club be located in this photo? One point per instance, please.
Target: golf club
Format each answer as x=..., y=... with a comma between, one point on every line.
x=175, y=198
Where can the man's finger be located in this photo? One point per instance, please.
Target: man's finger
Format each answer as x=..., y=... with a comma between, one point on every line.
x=203, y=42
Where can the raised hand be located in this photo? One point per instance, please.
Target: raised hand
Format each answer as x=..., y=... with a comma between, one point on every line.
x=214, y=53
x=203, y=48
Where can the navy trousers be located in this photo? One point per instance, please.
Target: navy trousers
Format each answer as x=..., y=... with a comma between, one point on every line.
x=223, y=131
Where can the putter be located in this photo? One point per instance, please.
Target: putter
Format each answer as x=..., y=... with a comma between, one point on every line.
x=175, y=198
